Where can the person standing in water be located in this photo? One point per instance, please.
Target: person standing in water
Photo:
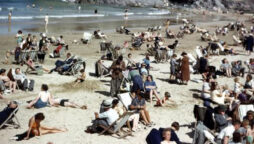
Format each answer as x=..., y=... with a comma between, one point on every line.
x=95, y=11
x=46, y=22
x=125, y=17
x=9, y=16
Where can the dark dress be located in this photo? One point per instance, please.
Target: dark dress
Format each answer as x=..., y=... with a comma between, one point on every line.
x=249, y=43
x=185, y=70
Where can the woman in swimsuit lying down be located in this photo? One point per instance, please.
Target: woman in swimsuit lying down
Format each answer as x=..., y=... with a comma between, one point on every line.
x=36, y=129
x=67, y=103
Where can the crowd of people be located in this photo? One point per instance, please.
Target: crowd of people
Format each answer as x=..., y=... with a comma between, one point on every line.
x=135, y=77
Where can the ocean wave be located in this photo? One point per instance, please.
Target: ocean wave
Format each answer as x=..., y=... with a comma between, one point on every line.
x=52, y=16
x=122, y=14
x=159, y=13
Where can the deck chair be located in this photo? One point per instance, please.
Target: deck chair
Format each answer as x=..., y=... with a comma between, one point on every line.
x=125, y=99
x=116, y=126
x=8, y=120
x=32, y=70
x=236, y=40
x=243, y=109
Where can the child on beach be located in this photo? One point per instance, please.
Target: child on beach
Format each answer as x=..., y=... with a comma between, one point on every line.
x=166, y=101
x=237, y=86
x=166, y=136
x=81, y=78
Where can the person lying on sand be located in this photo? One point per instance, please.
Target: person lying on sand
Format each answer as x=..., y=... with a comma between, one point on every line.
x=43, y=99
x=36, y=129
x=81, y=78
x=67, y=103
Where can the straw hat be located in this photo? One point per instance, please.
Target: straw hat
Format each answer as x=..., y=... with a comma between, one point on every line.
x=107, y=103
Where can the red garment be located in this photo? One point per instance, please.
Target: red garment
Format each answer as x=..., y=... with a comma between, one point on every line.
x=58, y=48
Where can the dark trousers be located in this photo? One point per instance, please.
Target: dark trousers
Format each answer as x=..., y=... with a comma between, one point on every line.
x=99, y=122
x=25, y=85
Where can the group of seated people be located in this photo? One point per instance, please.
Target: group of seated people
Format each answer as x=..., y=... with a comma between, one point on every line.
x=225, y=128
x=14, y=79
x=235, y=68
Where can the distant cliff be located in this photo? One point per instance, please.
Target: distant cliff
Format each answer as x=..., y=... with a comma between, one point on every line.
x=208, y=4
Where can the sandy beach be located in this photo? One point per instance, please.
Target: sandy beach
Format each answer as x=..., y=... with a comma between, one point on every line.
x=94, y=90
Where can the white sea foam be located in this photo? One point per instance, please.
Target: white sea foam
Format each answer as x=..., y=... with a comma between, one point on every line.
x=159, y=13
x=52, y=16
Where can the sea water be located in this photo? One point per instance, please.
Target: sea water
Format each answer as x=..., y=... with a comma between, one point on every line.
x=29, y=15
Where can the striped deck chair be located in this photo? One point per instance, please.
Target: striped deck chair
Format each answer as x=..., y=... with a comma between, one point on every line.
x=116, y=126
x=8, y=120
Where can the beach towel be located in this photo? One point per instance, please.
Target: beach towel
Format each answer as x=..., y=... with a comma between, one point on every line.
x=243, y=109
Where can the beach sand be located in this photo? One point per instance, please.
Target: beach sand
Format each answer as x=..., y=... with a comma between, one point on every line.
x=94, y=90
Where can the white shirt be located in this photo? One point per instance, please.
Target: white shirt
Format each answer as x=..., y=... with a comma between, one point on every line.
x=251, y=83
x=237, y=88
x=205, y=87
x=111, y=115
x=227, y=132
x=20, y=77
x=216, y=98
x=44, y=96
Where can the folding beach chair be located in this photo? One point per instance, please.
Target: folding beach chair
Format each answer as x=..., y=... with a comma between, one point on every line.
x=125, y=99
x=9, y=122
x=243, y=109
x=116, y=126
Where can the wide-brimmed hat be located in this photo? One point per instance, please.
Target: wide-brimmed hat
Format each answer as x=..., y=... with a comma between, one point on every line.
x=107, y=103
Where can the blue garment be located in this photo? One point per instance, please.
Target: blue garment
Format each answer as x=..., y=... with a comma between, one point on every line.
x=137, y=83
x=40, y=104
x=147, y=62
x=148, y=83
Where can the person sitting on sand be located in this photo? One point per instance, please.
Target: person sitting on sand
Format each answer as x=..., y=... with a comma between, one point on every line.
x=6, y=80
x=104, y=119
x=43, y=99
x=31, y=64
x=150, y=88
x=60, y=41
x=81, y=78
x=36, y=129
x=166, y=134
x=139, y=105
x=67, y=103
x=226, y=67
x=22, y=81
x=166, y=101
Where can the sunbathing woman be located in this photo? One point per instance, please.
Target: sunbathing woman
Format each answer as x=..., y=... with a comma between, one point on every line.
x=36, y=129
x=67, y=103
x=81, y=78
x=31, y=64
x=43, y=99
x=7, y=82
